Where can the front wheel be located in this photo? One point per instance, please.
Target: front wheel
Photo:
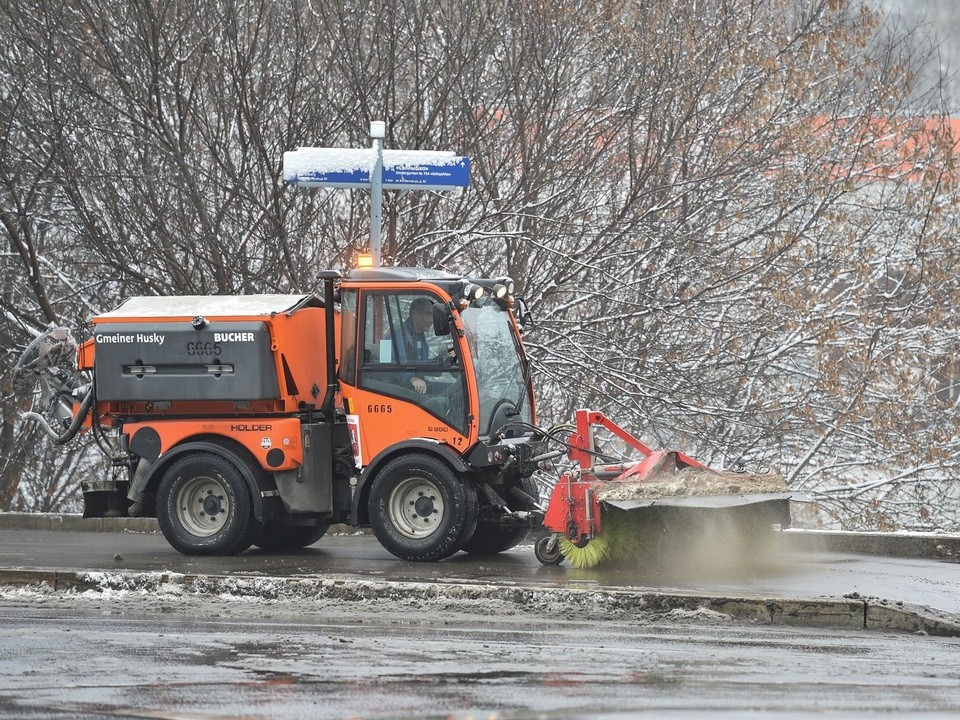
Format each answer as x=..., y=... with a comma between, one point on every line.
x=204, y=506
x=420, y=510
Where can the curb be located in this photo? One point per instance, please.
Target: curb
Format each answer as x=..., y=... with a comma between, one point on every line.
x=935, y=546
x=75, y=523
x=835, y=613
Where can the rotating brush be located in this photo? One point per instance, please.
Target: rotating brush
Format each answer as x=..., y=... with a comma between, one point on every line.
x=619, y=540
x=592, y=553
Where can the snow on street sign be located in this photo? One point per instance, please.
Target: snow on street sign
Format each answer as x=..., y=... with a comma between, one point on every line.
x=377, y=169
x=352, y=168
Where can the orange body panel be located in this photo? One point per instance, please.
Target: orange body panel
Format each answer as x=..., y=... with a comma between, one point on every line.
x=259, y=435
x=85, y=355
x=384, y=421
x=299, y=340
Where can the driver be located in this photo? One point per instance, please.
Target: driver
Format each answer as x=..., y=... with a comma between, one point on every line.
x=414, y=347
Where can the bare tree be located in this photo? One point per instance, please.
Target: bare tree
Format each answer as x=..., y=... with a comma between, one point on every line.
x=731, y=219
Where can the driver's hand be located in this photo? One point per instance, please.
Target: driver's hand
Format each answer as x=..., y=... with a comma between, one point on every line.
x=419, y=384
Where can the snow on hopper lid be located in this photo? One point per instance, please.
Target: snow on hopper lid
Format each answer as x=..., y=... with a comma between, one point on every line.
x=206, y=305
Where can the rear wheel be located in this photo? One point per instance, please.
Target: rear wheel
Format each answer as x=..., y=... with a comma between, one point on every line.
x=420, y=510
x=204, y=506
x=290, y=537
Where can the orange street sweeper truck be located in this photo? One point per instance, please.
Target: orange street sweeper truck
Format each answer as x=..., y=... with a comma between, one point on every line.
x=399, y=399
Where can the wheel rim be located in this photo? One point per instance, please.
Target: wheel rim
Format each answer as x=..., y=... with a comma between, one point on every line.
x=202, y=506
x=547, y=550
x=416, y=508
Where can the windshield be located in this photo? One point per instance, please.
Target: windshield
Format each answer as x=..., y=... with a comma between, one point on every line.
x=499, y=367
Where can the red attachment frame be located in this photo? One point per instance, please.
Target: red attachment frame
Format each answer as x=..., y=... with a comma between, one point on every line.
x=583, y=451
x=574, y=509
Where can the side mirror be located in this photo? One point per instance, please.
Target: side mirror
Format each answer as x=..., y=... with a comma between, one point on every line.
x=522, y=314
x=441, y=319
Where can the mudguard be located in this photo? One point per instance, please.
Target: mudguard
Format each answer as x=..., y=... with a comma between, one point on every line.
x=245, y=465
x=358, y=512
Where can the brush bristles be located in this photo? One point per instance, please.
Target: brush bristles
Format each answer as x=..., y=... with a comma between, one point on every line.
x=590, y=555
x=620, y=540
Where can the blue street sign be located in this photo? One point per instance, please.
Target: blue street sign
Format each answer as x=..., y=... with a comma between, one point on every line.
x=328, y=167
x=352, y=168
x=377, y=169
x=407, y=173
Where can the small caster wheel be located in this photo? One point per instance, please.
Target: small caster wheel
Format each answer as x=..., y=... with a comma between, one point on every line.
x=547, y=550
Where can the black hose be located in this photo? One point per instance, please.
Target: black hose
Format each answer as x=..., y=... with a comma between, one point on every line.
x=75, y=425
x=550, y=434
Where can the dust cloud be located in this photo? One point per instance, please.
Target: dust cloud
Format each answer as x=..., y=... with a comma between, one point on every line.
x=663, y=545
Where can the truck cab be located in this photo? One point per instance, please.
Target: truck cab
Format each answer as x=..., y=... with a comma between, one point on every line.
x=458, y=379
x=439, y=402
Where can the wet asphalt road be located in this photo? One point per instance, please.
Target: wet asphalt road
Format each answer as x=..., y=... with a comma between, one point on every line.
x=779, y=573
x=205, y=658
x=175, y=655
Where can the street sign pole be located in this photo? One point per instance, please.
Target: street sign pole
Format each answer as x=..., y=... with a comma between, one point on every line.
x=378, y=130
x=378, y=170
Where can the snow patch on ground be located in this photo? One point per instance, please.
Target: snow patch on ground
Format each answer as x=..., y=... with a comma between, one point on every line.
x=349, y=597
x=154, y=582
x=700, y=615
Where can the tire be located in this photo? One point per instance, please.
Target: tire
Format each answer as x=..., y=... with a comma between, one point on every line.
x=204, y=506
x=547, y=550
x=420, y=510
x=290, y=537
x=491, y=537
